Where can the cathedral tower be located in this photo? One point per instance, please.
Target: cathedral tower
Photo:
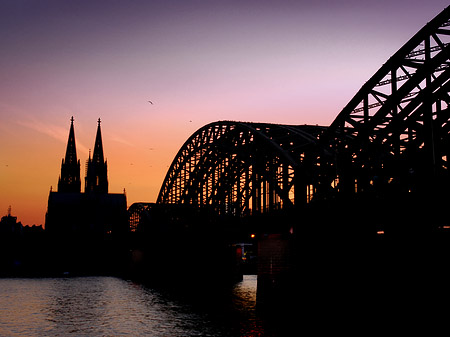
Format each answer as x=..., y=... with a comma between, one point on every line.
x=96, y=167
x=69, y=180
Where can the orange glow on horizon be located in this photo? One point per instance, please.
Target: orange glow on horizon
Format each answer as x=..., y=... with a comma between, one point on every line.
x=197, y=64
x=139, y=151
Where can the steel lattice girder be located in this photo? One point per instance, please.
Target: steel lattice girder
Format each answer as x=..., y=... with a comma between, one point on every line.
x=397, y=123
x=402, y=110
x=233, y=167
x=371, y=107
x=137, y=213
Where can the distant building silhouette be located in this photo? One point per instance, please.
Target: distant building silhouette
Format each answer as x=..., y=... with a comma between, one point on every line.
x=9, y=225
x=93, y=214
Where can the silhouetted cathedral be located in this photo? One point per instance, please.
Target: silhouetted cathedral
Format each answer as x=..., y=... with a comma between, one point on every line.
x=94, y=213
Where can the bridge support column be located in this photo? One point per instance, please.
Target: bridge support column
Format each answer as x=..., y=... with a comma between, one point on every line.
x=274, y=269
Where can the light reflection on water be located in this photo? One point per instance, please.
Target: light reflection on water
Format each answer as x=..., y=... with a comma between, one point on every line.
x=107, y=306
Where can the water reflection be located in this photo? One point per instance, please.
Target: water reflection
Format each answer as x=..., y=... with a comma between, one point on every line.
x=105, y=306
x=244, y=302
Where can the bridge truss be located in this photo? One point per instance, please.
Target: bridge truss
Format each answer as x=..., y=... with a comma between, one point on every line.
x=240, y=168
x=139, y=213
x=396, y=128
x=392, y=136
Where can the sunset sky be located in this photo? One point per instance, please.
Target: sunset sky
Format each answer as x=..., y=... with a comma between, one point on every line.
x=199, y=61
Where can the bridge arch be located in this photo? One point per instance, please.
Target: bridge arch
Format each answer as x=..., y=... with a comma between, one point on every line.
x=139, y=213
x=397, y=125
x=241, y=168
x=393, y=136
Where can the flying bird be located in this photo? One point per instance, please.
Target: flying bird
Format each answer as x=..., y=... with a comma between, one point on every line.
x=150, y=102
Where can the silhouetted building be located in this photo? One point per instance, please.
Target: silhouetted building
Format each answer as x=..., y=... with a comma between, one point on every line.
x=93, y=214
x=9, y=225
x=32, y=230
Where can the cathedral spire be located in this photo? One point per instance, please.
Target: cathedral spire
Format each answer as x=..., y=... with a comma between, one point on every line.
x=98, y=147
x=71, y=151
x=69, y=181
x=96, y=168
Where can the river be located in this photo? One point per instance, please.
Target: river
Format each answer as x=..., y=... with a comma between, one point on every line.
x=109, y=306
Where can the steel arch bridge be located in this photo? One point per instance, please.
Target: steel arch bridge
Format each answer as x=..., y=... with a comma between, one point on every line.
x=393, y=135
x=241, y=168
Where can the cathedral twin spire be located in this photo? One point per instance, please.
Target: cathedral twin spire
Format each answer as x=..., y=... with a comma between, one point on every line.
x=96, y=167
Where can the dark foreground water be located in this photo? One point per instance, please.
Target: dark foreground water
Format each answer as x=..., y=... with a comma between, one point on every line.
x=108, y=306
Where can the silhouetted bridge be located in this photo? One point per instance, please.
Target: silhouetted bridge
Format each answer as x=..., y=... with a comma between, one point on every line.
x=378, y=174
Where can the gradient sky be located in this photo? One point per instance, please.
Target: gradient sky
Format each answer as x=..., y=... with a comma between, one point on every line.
x=280, y=61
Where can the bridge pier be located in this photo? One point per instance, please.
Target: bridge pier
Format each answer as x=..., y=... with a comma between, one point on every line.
x=275, y=268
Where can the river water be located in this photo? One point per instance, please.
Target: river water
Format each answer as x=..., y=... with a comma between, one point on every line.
x=109, y=306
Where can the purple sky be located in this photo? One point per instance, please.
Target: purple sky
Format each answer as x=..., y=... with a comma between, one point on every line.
x=291, y=62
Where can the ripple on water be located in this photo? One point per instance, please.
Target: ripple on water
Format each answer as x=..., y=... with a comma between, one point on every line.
x=104, y=306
